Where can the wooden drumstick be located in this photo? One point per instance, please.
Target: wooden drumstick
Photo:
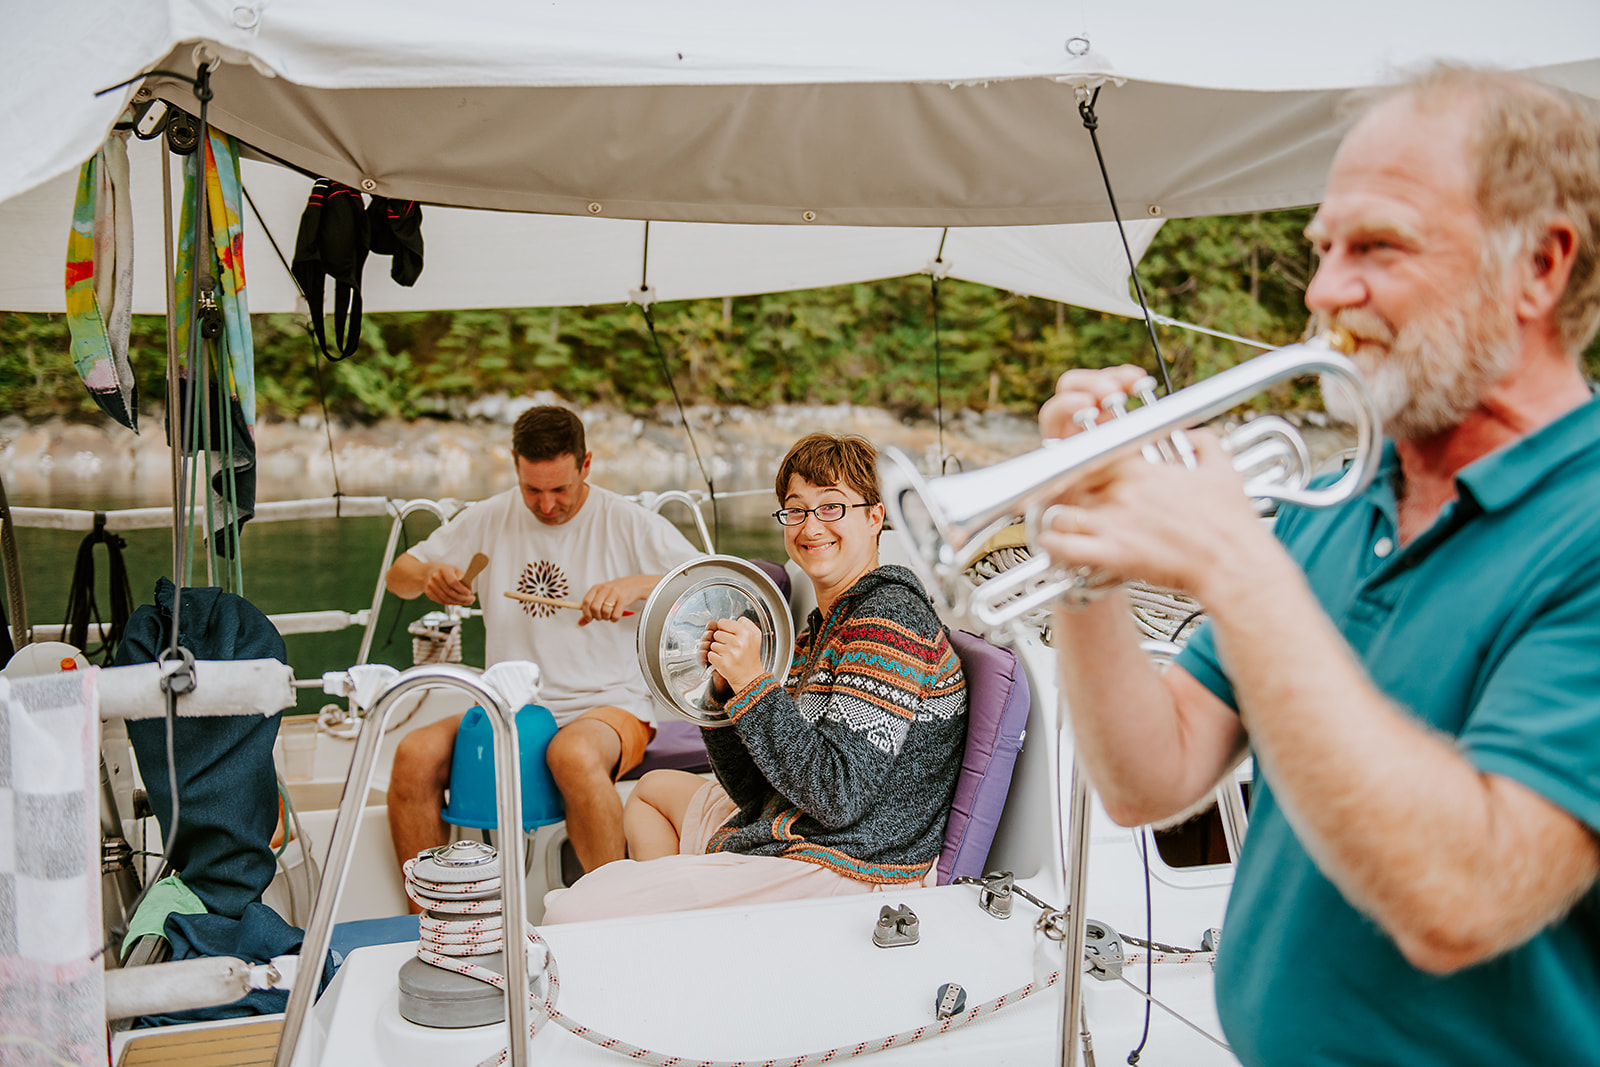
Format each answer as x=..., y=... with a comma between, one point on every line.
x=534, y=598
x=475, y=568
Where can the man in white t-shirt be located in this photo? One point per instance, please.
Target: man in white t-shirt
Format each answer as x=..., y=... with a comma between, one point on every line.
x=557, y=536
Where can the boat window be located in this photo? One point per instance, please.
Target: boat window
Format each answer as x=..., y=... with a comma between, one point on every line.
x=1198, y=841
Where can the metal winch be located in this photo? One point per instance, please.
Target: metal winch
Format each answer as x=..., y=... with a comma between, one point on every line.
x=450, y=877
x=436, y=638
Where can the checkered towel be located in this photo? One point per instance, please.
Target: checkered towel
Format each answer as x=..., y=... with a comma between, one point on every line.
x=52, y=996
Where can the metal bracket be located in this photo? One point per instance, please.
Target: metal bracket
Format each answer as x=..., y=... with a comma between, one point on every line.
x=176, y=678
x=995, y=895
x=1102, y=950
x=896, y=927
x=952, y=1000
x=115, y=855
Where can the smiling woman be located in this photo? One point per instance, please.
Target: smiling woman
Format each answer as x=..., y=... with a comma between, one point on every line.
x=830, y=485
x=848, y=765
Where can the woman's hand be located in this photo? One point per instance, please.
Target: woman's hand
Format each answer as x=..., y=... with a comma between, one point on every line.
x=733, y=648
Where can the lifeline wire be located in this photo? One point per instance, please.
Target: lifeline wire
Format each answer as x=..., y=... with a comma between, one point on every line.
x=1091, y=122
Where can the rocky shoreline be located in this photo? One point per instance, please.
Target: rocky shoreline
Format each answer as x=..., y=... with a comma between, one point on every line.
x=64, y=462
x=42, y=460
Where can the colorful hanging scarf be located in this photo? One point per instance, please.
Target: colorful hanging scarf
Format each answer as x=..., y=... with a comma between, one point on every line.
x=100, y=282
x=232, y=434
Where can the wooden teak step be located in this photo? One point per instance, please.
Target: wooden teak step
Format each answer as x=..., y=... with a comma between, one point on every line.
x=241, y=1045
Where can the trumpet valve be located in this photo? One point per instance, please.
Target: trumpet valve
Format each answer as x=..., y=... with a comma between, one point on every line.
x=1116, y=403
x=1086, y=417
x=1145, y=390
x=1185, y=450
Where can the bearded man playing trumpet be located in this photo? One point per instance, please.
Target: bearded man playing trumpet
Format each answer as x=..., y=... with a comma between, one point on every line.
x=1416, y=672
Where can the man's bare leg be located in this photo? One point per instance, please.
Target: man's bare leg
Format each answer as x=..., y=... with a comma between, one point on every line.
x=582, y=757
x=416, y=788
x=653, y=817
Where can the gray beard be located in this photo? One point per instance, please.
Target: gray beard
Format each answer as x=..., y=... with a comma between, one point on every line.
x=1437, y=369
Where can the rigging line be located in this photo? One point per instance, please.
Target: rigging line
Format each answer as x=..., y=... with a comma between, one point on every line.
x=316, y=364
x=21, y=632
x=194, y=81
x=938, y=375
x=644, y=267
x=1091, y=122
x=711, y=487
x=202, y=92
x=938, y=371
x=1149, y=956
x=174, y=388
x=1217, y=1041
x=120, y=930
x=1168, y=320
x=234, y=531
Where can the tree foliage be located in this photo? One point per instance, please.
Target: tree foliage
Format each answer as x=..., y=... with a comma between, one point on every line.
x=872, y=343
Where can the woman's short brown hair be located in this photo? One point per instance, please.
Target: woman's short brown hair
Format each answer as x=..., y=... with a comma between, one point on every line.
x=825, y=459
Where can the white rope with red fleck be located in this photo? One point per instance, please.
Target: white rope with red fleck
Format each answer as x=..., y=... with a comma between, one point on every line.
x=1137, y=956
x=451, y=943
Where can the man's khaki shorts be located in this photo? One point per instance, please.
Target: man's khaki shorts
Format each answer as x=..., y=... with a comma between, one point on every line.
x=635, y=734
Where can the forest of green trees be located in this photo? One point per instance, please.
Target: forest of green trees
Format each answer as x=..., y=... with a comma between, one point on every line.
x=869, y=344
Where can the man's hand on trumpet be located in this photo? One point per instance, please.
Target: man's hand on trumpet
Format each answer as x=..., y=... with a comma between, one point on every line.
x=1158, y=522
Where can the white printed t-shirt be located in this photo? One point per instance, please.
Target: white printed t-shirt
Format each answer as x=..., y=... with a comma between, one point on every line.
x=610, y=537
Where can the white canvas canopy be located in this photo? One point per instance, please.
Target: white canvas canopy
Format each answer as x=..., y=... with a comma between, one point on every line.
x=479, y=259
x=811, y=121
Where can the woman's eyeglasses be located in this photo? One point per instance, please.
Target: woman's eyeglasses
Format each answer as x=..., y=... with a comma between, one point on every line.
x=831, y=512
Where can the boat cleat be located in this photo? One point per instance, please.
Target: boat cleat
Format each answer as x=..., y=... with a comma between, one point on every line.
x=896, y=927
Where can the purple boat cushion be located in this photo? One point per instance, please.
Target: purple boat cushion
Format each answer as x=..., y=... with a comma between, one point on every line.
x=676, y=747
x=997, y=715
x=778, y=573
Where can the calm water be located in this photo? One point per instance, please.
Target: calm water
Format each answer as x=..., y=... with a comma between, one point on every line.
x=308, y=565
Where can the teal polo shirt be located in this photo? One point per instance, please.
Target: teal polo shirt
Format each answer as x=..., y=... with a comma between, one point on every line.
x=1486, y=627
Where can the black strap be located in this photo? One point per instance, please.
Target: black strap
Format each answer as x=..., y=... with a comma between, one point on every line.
x=346, y=317
x=82, y=607
x=333, y=242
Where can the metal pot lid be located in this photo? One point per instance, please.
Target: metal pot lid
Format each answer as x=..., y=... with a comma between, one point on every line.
x=675, y=618
x=459, y=863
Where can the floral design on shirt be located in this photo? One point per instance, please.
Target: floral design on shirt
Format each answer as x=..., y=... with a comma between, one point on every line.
x=542, y=579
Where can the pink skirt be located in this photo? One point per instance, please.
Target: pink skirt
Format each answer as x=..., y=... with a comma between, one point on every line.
x=695, y=879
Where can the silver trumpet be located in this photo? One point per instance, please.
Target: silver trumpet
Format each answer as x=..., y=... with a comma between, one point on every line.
x=945, y=522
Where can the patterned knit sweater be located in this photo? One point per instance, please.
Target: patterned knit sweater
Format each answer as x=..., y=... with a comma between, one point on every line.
x=851, y=764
